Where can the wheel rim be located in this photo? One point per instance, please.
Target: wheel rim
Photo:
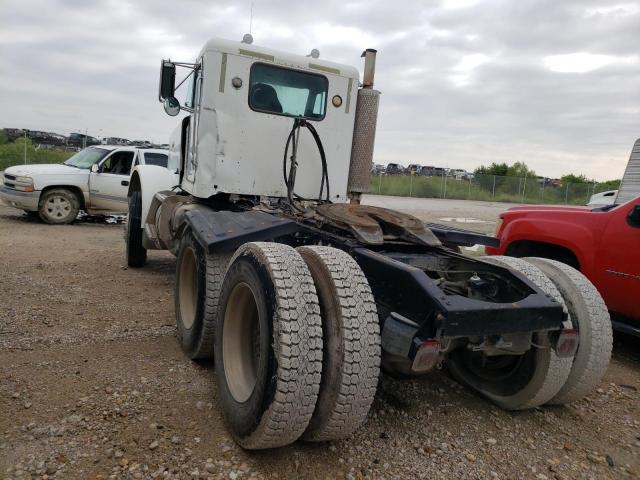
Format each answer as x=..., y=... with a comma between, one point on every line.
x=58, y=207
x=240, y=342
x=188, y=290
x=492, y=368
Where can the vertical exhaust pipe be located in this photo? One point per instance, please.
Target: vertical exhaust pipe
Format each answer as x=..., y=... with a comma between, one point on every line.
x=364, y=131
x=369, y=56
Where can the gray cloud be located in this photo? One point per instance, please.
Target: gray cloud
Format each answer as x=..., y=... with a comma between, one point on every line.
x=461, y=86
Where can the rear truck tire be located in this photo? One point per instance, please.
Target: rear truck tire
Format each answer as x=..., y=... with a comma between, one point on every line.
x=351, y=344
x=136, y=253
x=197, y=292
x=58, y=206
x=268, y=347
x=590, y=317
x=515, y=382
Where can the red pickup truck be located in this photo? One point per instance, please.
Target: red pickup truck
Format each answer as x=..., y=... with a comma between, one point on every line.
x=603, y=243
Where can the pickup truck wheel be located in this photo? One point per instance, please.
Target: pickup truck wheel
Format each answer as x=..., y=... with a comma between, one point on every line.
x=268, y=348
x=590, y=317
x=351, y=344
x=197, y=291
x=515, y=382
x=58, y=206
x=136, y=253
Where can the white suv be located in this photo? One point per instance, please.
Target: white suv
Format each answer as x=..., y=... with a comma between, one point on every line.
x=95, y=179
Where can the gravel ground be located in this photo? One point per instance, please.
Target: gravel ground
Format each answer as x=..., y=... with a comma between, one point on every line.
x=93, y=385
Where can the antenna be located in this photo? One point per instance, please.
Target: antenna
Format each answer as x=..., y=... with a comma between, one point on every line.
x=251, y=18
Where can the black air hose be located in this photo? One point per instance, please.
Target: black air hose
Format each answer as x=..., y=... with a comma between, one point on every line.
x=290, y=178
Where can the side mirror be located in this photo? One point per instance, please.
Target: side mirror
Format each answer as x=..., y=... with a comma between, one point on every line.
x=171, y=106
x=95, y=168
x=167, y=80
x=633, y=218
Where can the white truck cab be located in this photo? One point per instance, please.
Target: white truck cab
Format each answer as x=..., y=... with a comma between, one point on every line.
x=95, y=179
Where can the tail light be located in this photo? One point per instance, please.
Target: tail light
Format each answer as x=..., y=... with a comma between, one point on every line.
x=427, y=356
x=567, y=344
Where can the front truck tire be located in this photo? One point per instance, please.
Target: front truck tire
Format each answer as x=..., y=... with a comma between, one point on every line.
x=590, y=317
x=58, y=206
x=515, y=382
x=136, y=253
x=351, y=344
x=197, y=292
x=268, y=347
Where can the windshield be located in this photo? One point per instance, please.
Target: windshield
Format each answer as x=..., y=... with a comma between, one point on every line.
x=287, y=92
x=87, y=157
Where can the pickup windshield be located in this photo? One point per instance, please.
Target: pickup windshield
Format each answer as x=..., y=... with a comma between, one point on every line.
x=87, y=157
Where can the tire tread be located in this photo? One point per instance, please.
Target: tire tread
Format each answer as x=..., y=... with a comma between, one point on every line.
x=360, y=332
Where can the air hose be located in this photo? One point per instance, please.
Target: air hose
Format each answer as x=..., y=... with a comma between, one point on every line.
x=290, y=177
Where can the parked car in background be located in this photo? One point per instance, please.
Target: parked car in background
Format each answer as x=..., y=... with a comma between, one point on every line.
x=82, y=140
x=414, y=168
x=429, y=171
x=377, y=169
x=602, y=243
x=394, y=169
x=95, y=179
x=603, y=199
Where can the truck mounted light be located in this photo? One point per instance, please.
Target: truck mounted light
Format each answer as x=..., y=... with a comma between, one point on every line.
x=567, y=344
x=427, y=356
x=23, y=188
x=24, y=180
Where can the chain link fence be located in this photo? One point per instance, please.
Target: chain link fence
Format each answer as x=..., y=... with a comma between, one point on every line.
x=24, y=153
x=487, y=188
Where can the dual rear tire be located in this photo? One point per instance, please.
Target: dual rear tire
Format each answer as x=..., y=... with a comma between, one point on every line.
x=295, y=337
x=539, y=376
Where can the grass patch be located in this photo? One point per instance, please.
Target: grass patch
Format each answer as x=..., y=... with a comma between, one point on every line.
x=484, y=188
x=13, y=154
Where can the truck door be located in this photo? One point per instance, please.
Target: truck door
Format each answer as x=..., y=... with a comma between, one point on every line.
x=108, y=186
x=620, y=261
x=193, y=100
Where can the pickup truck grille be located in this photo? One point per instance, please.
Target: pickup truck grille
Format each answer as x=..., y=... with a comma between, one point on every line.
x=10, y=181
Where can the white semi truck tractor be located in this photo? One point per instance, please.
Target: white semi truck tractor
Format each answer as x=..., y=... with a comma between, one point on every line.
x=302, y=294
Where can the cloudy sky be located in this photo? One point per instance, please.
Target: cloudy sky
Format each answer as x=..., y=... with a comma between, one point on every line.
x=465, y=82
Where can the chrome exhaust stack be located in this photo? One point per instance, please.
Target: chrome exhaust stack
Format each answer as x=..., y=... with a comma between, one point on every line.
x=364, y=131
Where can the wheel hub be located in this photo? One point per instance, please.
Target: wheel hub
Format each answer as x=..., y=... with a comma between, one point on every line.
x=188, y=290
x=58, y=207
x=241, y=342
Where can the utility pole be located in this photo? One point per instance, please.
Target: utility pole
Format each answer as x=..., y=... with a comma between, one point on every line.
x=25, y=147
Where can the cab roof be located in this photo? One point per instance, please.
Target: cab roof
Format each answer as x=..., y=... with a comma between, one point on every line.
x=279, y=57
x=130, y=147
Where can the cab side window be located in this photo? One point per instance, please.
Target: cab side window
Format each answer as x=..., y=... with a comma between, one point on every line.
x=119, y=163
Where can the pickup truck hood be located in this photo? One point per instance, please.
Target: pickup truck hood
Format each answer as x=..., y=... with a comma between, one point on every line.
x=553, y=208
x=45, y=169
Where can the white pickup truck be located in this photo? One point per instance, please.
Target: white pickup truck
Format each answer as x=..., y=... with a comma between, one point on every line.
x=95, y=180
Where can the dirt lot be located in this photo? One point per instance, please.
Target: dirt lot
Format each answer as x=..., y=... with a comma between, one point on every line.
x=93, y=385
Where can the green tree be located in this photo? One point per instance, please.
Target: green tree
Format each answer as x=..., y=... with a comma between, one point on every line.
x=572, y=178
x=500, y=169
x=520, y=169
x=3, y=137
